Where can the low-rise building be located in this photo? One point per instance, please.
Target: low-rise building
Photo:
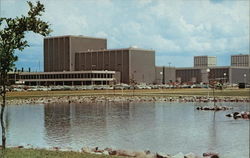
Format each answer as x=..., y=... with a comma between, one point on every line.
x=65, y=78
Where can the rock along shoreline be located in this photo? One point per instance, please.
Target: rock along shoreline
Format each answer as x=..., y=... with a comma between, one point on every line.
x=117, y=99
x=125, y=153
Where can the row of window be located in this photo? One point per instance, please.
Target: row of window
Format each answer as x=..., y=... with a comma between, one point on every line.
x=66, y=76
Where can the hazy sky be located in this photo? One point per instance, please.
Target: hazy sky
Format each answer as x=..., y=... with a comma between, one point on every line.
x=176, y=29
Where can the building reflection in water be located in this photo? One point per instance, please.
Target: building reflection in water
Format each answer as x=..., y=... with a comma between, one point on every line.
x=102, y=124
x=57, y=124
x=159, y=127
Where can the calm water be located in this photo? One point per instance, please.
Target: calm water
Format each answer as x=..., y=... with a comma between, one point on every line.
x=159, y=127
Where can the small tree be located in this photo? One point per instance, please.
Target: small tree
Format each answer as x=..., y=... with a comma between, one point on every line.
x=12, y=34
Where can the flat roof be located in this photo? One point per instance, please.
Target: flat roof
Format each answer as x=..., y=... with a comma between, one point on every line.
x=212, y=67
x=241, y=55
x=62, y=72
x=79, y=36
x=102, y=50
x=205, y=56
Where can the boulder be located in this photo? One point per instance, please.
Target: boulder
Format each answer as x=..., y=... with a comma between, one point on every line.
x=190, y=155
x=179, y=155
x=161, y=155
x=86, y=150
x=211, y=155
x=125, y=153
x=237, y=116
x=105, y=152
x=235, y=113
x=139, y=154
x=229, y=115
x=113, y=152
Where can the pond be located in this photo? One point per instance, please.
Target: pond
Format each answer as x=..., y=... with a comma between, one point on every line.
x=159, y=127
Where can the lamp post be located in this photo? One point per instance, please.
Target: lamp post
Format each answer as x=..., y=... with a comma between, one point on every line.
x=161, y=73
x=245, y=76
x=225, y=79
x=212, y=84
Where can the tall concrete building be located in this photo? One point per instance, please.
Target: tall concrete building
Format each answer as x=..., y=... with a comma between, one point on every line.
x=204, y=61
x=59, y=51
x=240, y=60
x=134, y=64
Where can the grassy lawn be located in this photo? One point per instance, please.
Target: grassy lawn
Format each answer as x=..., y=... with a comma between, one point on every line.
x=153, y=92
x=40, y=153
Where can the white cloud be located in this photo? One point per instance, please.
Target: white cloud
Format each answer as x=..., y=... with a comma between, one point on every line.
x=183, y=28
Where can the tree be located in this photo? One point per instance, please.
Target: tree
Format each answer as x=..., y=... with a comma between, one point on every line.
x=12, y=34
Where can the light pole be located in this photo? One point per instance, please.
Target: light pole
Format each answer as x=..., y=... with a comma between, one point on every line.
x=161, y=73
x=209, y=74
x=245, y=76
x=225, y=79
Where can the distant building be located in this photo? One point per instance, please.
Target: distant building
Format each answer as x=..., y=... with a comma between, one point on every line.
x=240, y=60
x=134, y=64
x=204, y=61
x=223, y=74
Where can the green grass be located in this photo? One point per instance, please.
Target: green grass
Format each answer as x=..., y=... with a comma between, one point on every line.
x=41, y=153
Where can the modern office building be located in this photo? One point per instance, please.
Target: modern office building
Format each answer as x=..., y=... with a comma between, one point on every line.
x=134, y=64
x=204, y=61
x=240, y=60
x=59, y=51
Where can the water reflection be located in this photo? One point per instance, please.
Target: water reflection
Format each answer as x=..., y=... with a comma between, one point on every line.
x=162, y=127
x=25, y=125
x=57, y=123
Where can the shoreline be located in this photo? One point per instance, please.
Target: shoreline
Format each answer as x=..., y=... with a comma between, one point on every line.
x=98, y=153
x=123, y=99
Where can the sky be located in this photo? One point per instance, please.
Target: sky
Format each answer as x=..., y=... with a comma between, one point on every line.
x=176, y=29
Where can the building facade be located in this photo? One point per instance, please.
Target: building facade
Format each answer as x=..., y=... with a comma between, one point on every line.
x=65, y=78
x=134, y=65
x=205, y=61
x=164, y=75
x=222, y=74
x=81, y=60
x=189, y=75
x=241, y=60
x=59, y=51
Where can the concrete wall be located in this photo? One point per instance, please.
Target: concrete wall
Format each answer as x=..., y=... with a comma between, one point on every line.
x=164, y=75
x=59, y=52
x=188, y=75
x=241, y=60
x=142, y=66
x=220, y=74
x=115, y=60
x=83, y=44
x=56, y=54
x=133, y=64
x=237, y=75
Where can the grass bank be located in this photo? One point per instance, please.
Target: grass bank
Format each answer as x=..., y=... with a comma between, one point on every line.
x=41, y=153
x=153, y=92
